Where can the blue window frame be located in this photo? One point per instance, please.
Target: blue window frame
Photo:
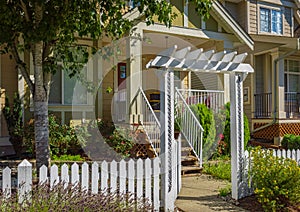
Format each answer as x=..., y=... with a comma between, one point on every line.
x=270, y=20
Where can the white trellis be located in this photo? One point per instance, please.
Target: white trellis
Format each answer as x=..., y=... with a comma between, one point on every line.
x=198, y=61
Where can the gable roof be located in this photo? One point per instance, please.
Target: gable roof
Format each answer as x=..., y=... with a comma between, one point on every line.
x=222, y=15
x=230, y=24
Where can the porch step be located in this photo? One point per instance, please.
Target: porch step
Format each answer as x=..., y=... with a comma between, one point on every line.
x=190, y=170
x=189, y=160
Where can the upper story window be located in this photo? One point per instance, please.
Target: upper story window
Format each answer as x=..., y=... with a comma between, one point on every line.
x=270, y=20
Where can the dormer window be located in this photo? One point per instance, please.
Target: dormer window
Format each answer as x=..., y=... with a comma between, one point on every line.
x=270, y=20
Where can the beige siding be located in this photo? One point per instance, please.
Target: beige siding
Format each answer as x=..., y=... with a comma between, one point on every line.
x=287, y=22
x=253, y=17
x=238, y=11
x=194, y=19
x=178, y=9
x=108, y=81
x=242, y=17
x=233, y=9
x=204, y=81
x=9, y=82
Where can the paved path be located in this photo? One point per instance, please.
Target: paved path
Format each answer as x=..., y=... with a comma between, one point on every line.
x=199, y=193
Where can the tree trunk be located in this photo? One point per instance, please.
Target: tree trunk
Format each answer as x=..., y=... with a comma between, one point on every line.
x=40, y=98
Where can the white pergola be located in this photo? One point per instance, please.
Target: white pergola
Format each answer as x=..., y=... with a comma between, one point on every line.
x=198, y=61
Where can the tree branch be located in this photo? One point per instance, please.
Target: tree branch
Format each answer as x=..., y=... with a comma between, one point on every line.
x=24, y=8
x=22, y=67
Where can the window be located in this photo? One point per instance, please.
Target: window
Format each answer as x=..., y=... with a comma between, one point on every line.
x=66, y=91
x=270, y=20
x=292, y=76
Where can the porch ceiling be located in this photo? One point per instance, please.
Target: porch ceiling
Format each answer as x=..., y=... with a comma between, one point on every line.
x=197, y=60
x=276, y=41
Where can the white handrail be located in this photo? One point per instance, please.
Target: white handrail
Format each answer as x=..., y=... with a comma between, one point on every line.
x=148, y=120
x=213, y=99
x=190, y=126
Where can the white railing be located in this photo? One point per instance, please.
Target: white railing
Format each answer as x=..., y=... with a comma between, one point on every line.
x=190, y=127
x=148, y=119
x=211, y=98
x=141, y=178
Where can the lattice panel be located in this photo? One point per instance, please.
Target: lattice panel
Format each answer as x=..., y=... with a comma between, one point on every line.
x=142, y=148
x=276, y=130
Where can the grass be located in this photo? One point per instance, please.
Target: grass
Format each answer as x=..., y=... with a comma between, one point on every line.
x=220, y=169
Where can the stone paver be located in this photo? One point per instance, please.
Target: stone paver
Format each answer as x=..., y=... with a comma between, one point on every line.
x=200, y=193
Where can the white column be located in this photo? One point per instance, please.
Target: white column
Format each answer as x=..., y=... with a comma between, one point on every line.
x=134, y=71
x=167, y=138
x=278, y=86
x=98, y=77
x=280, y=92
x=239, y=188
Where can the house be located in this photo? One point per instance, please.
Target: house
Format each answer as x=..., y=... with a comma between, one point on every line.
x=220, y=32
x=272, y=93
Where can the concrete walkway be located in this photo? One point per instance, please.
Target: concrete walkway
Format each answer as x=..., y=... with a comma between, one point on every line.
x=200, y=193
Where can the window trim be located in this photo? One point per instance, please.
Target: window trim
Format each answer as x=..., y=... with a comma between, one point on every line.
x=89, y=68
x=287, y=73
x=270, y=8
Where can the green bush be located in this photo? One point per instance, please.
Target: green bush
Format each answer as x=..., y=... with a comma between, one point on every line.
x=14, y=119
x=291, y=141
x=62, y=138
x=227, y=129
x=67, y=158
x=276, y=180
x=122, y=141
x=207, y=121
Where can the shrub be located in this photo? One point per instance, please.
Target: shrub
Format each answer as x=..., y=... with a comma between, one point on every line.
x=14, y=120
x=73, y=199
x=227, y=129
x=276, y=180
x=121, y=141
x=67, y=158
x=62, y=138
x=207, y=121
x=291, y=141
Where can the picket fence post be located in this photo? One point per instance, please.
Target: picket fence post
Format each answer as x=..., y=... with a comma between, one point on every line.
x=123, y=175
x=131, y=176
x=54, y=178
x=65, y=178
x=6, y=182
x=85, y=177
x=24, y=180
x=148, y=173
x=43, y=175
x=104, y=176
x=139, y=177
x=95, y=178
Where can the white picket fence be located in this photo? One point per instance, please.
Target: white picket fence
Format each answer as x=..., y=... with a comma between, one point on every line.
x=246, y=179
x=291, y=154
x=141, y=177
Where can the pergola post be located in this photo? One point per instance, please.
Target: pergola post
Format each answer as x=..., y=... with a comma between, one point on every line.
x=239, y=186
x=167, y=138
x=221, y=62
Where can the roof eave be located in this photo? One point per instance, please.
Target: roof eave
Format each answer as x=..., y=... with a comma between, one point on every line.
x=232, y=24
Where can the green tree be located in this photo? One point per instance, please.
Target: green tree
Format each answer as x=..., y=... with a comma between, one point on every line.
x=48, y=28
